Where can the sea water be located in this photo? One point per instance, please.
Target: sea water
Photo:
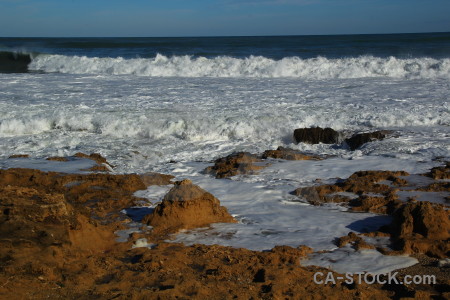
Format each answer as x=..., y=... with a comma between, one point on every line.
x=174, y=105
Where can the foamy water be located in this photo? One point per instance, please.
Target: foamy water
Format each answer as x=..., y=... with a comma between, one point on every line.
x=253, y=66
x=140, y=122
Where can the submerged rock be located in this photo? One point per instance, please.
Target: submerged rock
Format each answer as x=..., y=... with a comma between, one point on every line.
x=359, y=139
x=317, y=135
x=357, y=242
x=235, y=164
x=187, y=206
x=57, y=158
x=19, y=156
x=288, y=154
x=102, y=165
x=95, y=157
x=152, y=178
x=310, y=194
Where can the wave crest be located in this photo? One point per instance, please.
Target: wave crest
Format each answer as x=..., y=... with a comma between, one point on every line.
x=253, y=66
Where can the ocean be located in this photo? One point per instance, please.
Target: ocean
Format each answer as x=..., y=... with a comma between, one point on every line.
x=173, y=105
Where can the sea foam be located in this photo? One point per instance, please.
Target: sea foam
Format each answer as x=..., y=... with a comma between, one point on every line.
x=252, y=66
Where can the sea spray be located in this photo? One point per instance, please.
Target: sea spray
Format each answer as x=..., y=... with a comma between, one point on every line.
x=250, y=67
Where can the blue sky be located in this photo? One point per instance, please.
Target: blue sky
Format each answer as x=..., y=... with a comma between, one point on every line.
x=219, y=17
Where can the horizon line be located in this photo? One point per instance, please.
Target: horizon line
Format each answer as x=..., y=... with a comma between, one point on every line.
x=227, y=36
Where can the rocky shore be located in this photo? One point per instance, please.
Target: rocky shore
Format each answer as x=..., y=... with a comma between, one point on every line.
x=58, y=241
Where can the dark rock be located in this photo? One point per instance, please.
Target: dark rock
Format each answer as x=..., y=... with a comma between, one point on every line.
x=359, y=139
x=317, y=135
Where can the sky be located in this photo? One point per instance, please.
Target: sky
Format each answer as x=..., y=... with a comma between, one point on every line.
x=151, y=18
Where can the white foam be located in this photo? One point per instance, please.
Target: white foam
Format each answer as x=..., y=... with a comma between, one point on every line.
x=253, y=66
x=142, y=243
x=12, y=127
x=305, y=172
x=444, y=263
x=154, y=193
x=435, y=197
x=138, y=122
x=346, y=259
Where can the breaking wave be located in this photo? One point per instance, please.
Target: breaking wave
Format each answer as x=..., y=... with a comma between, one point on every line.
x=14, y=62
x=253, y=66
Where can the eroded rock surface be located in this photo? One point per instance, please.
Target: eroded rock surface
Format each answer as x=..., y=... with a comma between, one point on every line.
x=187, y=206
x=48, y=219
x=422, y=227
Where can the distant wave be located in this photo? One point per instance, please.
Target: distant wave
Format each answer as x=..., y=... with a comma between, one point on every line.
x=14, y=62
x=253, y=66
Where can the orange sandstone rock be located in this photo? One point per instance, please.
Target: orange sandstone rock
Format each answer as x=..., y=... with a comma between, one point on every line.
x=422, y=227
x=187, y=206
